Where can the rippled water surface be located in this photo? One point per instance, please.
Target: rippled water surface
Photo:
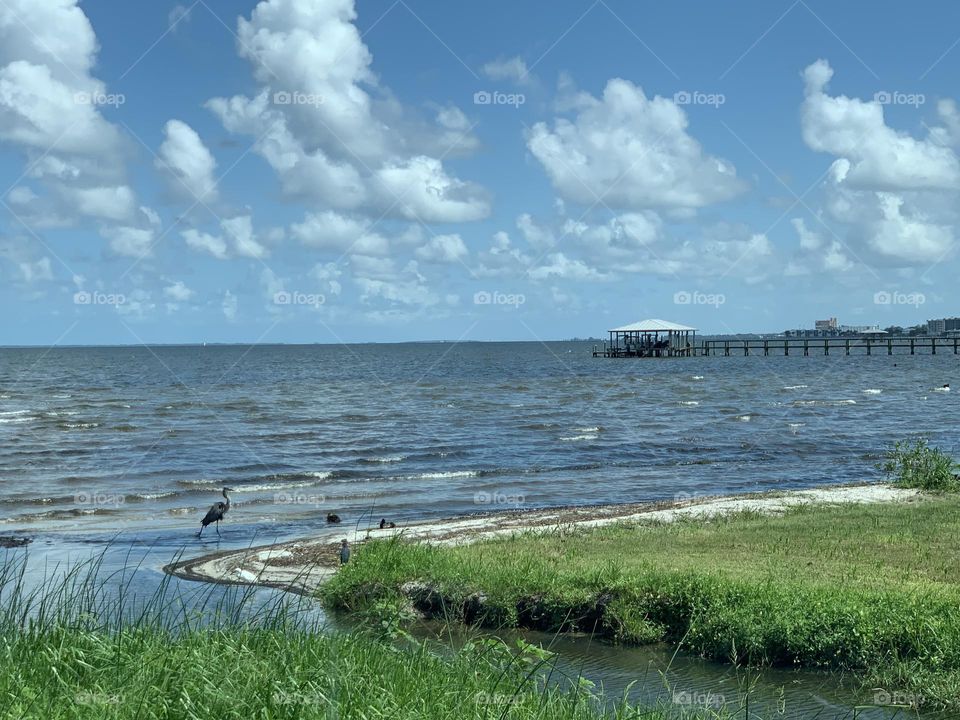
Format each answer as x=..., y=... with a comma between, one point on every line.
x=108, y=438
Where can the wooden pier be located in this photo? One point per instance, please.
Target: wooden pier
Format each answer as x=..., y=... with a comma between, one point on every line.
x=859, y=345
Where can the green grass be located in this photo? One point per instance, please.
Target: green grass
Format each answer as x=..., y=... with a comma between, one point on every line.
x=870, y=588
x=70, y=649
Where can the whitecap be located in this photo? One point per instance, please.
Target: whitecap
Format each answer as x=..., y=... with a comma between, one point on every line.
x=383, y=459
x=744, y=418
x=872, y=391
x=689, y=402
x=697, y=377
x=795, y=387
x=587, y=429
x=574, y=438
x=442, y=475
x=263, y=487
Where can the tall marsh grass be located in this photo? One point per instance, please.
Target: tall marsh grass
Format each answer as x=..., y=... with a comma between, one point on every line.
x=82, y=644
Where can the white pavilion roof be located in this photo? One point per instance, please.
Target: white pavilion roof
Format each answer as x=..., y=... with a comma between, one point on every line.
x=653, y=325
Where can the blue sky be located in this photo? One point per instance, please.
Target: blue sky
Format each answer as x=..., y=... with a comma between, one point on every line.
x=330, y=170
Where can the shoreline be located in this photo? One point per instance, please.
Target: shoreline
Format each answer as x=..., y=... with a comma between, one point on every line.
x=302, y=566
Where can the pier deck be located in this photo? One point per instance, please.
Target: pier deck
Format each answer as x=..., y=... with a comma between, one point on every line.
x=796, y=346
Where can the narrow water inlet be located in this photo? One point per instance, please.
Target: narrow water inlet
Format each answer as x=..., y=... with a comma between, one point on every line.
x=653, y=675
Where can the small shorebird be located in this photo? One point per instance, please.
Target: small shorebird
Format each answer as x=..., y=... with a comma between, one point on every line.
x=216, y=513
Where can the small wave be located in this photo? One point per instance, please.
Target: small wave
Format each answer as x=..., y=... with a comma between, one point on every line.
x=62, y=514
x=690, y=403
x=697, y=377
x=384, y=459
x=264, y=487
x=797, y=425
x=14, y=420
x=575, y=438
x=795, y=387
x=151, y=496
x=588, y=429
x=872, y=391
x=79, y=426
x=442, y=475
x=271, y=482
x=744, y=418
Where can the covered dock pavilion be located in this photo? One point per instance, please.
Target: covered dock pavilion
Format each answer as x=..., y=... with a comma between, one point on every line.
x=651, y=338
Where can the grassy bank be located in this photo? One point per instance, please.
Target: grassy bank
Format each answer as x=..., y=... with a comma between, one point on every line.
x=84, y=646
x=871, y=588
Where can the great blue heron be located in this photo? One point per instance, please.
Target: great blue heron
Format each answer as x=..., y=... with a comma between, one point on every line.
x=216, y=513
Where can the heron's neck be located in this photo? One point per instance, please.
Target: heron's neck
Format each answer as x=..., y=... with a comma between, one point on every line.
x=226, y=496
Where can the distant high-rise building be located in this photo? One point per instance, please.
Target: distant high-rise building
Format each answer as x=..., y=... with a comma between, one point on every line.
x=936, y=327
x=824, y=325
